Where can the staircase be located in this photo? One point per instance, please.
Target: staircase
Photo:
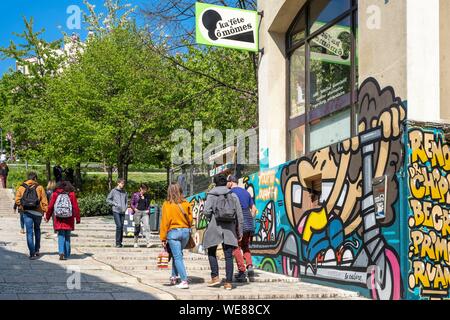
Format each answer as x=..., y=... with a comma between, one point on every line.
x=6, y=202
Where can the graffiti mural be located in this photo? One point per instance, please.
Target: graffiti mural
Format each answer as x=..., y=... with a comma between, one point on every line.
x=429, y=219
x=200, y=222
x=318, y=217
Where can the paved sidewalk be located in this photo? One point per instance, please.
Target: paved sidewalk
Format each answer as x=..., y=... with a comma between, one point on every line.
x=123, y=274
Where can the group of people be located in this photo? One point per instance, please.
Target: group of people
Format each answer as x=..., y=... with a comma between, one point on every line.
x=139, y=207
x=58, y=203
x=230, y=211
x=4, y=171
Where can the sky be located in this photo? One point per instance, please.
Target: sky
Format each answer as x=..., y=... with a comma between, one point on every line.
x=48, y=14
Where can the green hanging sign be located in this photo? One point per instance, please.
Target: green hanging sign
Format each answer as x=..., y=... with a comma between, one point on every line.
x=227, y=27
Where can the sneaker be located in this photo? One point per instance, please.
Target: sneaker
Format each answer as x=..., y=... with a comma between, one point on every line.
x=37, y=254
x=228, y=286
x=250, y=271
x=173, y=281
x=136, y=245
x=22, y=231
x=241, y=277
x=149, y=245
x=33, y=258
x=183, y=285
x=214, y=282
x=62, y=257
x=119, y=246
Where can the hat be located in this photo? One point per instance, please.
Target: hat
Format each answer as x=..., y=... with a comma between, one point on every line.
x=232, y=178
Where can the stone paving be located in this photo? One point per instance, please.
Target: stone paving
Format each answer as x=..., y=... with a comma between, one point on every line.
x=108, y=273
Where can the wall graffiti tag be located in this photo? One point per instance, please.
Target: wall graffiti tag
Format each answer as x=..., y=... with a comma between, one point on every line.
x=429, y=220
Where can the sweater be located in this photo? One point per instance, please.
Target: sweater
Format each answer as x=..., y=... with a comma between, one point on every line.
x=173, y=218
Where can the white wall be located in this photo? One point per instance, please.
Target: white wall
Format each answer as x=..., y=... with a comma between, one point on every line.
x=423, y=60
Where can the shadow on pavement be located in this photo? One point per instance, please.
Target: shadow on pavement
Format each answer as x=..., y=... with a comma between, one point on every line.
x=23, y=279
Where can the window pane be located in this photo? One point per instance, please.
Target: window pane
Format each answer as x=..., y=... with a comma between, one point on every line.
x=297, y=82
x=298, y=32
x=324, y=11
x=330, y=64
x=330, y=129
x=297, y=143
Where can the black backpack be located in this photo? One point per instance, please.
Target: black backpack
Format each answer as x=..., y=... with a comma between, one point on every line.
x=30, y=199
x=225, y=210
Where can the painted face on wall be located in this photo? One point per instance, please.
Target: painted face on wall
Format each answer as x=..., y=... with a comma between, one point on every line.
x=323, y=191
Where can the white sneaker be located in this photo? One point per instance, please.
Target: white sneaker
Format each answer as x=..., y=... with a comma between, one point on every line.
x=183, y=285
x=136, y=245
x=149, y=245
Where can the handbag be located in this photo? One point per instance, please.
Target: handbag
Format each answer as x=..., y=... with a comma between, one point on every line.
x=191, y=243
x=162, y=261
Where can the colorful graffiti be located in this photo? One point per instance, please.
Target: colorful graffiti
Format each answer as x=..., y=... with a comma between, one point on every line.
x=327, y=208
x=318, y=217
x=200, y=221
x=429, y=219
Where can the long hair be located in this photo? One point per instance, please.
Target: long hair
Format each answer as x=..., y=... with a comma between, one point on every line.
x=51, y=185
x=175, y=194
x=66, y=186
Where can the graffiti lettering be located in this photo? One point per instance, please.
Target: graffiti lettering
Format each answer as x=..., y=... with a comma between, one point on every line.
x=429, y=219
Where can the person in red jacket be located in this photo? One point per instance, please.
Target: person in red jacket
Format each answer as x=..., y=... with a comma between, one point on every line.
x=60, y=206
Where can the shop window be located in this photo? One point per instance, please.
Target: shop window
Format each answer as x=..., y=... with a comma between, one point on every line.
x=297, y=82
x=299, y=30
x=330, y=64
x=323, y=75
x=331, y=129
x=297, y=142
x=323, y=12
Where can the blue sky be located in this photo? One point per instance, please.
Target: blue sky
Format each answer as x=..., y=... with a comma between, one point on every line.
x=48, y=14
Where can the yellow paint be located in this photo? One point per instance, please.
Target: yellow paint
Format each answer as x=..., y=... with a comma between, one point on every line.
x=316, y=222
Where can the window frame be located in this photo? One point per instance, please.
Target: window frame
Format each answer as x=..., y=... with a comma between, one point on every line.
x=338, y=104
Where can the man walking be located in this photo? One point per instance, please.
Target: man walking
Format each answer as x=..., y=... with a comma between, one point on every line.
x=249, y=212
x=31, y=199
x=224, y=213
x=118, y=198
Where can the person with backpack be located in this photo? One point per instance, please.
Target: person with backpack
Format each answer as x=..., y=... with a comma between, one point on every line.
x=64, y=207
x=32, y=201
x=224, y=212
x=140, y=204
x=175, y=231
x=118, y=198
x=249, y=212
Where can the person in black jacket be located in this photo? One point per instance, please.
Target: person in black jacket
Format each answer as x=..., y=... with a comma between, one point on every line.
x=4, y=171
x=58, y=173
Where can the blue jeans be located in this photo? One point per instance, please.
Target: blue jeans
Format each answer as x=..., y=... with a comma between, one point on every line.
x=22, y=221
x=119, y=219
x=33, y=226
x=64, y=242
x=178, y=239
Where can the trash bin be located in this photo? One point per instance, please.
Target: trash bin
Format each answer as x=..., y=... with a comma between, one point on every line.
x=155, y=218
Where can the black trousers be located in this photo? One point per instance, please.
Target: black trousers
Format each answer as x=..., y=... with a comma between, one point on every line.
x=119, y=219
x=229, y=265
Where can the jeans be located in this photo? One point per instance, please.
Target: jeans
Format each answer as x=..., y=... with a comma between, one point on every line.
x=244, y=248
x=143, y=216
x=64, y=242
x=178, y=239
x=212, y=257
x=119, y=219
x=33, y=226
x=22, y=221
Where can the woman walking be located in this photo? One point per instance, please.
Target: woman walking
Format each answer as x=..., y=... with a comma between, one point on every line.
x=224, y=212
x=64, y=206
x=175, y=231
x=140, y=204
